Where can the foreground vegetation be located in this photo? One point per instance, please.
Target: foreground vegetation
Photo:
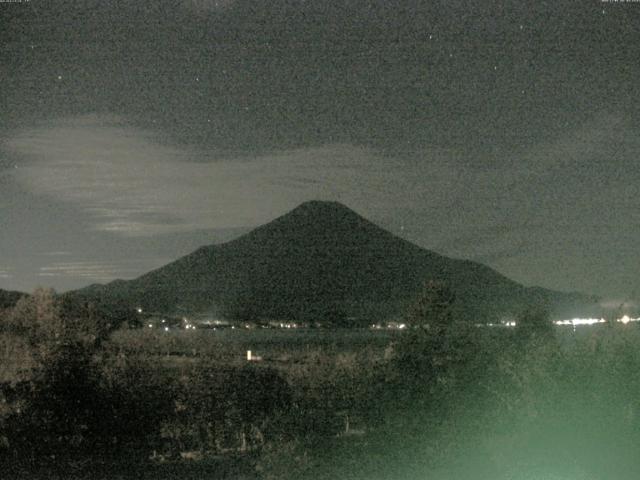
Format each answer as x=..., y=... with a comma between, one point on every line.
x=81, y=397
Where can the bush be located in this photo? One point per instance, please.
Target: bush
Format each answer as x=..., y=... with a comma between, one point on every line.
x=137, y=398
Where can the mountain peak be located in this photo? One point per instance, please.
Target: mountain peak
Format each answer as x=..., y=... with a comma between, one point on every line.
x=322, y=207
x=326, y=217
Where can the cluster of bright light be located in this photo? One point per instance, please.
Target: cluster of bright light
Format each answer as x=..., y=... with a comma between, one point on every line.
x=190, y=327
x=504, y=323
x=592, y=321
x=580, y=321
x=389, y=326
x=575, y=322
x=288, y=325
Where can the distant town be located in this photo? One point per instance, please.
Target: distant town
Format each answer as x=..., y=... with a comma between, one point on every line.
x=155, y=320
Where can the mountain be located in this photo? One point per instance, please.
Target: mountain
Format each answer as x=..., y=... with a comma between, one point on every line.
x=8, y=298
x=321, y=261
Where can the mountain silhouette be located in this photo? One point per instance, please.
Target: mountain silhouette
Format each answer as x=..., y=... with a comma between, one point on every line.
x=322, y=262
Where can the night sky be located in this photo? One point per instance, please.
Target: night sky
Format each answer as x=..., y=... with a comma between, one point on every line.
x=132, y=132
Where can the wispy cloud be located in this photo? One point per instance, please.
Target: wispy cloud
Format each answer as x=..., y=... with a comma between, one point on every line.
x=131, y=184
x=98, y=271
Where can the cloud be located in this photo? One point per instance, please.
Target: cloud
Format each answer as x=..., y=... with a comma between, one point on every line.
x=98, y=270
x=131, y=184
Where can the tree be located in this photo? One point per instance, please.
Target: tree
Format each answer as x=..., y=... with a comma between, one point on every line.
x=433, y=309
x=60, y=392
x=439, y=343
x=534, y=323
x=35, y=317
